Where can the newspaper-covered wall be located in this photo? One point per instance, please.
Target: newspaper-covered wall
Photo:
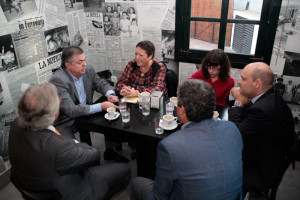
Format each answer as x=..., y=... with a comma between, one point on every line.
x=34, y=33
x=285, y=60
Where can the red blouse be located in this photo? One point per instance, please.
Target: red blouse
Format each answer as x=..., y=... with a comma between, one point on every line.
x=221, y=88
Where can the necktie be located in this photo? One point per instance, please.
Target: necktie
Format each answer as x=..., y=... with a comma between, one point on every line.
x=58, y=133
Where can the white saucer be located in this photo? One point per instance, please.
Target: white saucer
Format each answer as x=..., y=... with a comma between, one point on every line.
x=171, y=127
x=117, y=114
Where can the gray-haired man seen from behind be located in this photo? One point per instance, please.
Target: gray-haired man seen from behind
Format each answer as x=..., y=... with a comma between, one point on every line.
x=203, y=160
x=43, y=160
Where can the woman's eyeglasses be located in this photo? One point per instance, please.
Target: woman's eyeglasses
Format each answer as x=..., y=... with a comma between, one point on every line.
x=213, y=66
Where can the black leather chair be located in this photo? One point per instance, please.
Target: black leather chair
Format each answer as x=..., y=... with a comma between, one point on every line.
x=272, y=190
x=29, y=194
x=269, y=190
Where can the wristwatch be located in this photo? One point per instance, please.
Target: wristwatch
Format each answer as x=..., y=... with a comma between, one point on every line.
x=238, y=104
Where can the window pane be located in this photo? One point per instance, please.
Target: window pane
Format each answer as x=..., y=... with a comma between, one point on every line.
x=249, y=9
x=243, y=38
x=228, y=39
x=204, y=35
x=206, y=8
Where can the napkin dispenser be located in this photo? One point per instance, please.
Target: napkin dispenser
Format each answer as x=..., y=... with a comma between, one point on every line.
x=155, y=99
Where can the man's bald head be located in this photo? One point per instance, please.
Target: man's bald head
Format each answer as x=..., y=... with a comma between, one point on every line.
x=263, y=72
x=256, y=78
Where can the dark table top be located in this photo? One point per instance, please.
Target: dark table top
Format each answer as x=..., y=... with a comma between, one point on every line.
x=138, y=125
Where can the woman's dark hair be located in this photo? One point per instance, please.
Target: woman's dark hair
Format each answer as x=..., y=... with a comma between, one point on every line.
x=107, y=17
x=147, y=46
x=217, y=57
x=68, y=54
x=110, y=8
x=132, y=10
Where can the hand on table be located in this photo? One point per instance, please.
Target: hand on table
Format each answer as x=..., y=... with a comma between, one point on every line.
x=112, y=98
x=127, y=91
x=107, y=104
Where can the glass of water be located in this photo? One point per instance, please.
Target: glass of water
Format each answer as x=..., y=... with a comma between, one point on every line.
x=122, y=105
x=159, y=124
x=140, y=101
x=169, y=107
x=146, y=108
x=125, y=115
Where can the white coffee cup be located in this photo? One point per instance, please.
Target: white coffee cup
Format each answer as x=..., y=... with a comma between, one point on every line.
x=169, y=120
x=216, y=115
x=174, y=101
x=111, y=112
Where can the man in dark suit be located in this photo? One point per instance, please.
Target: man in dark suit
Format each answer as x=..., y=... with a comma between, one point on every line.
x=265, y=122
x=201, y=161
x=43, y=160
x=76, y=82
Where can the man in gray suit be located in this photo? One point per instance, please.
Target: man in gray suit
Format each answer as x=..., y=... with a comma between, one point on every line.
x=76, y=82
x=42, y=160
x=203, y=160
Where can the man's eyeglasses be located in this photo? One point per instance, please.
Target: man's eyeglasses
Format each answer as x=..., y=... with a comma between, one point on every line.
x=212, y=66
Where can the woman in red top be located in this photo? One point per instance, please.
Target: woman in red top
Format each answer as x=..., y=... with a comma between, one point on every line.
x=215, y=70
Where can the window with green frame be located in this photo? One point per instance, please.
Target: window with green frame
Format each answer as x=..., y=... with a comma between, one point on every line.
x=244, y=29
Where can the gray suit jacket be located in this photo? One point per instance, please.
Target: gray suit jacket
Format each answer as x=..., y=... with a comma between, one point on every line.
x=64, y=166
x=70, y=106
x=202, y=161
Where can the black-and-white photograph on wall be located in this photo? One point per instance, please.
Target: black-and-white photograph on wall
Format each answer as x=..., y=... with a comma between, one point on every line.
x=71, y=5
x=7, y=53
x=168, y=43
x=5, y=97
x=16, y=9
x=94, y=6
x=292, y=56
x=120, y=19
x=77, y=39
x=285, y=56
x=289, y=88
x=57, y=39
x=296, y=116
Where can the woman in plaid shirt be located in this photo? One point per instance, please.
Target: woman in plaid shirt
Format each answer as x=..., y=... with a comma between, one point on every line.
x=143, y=74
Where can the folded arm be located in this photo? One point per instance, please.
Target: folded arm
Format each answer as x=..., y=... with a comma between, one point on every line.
x=76, y=157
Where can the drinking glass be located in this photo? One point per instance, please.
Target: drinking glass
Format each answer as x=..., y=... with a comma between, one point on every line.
x=146, y=108
x=159, y=124
x=122, y=105
x=140, y=101
x=169, y=107
x=125, y=115
x=143, y=97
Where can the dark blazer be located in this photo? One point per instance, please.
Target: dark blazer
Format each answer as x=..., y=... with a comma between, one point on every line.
x=62, y=167
x=70, y=106
x=201, y=161
x=267, y=129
